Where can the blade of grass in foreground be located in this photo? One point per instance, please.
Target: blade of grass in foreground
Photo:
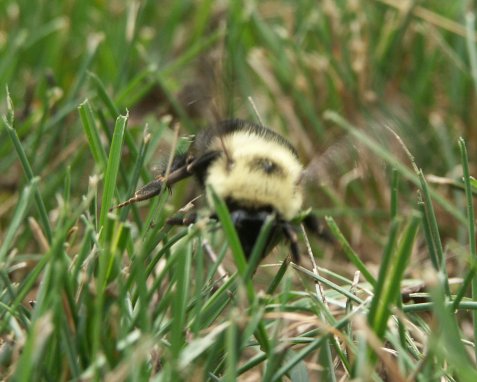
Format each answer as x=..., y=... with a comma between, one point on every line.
x=233, y=240
x=447, y=342
x=389, y=282
x=112, y=168
x=40, y=332
x=471, y=227
x=113, y=112
x=232, y=346
x=17, y=218
x=182, y=276
x=105, y=224
x=240, y=261
x=383, y=272
x=92, y=134
x=8, y=122
x=433, y=229
x=352, y=256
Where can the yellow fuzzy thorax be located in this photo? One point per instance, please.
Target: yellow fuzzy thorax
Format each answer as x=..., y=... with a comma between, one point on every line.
x=250, y=185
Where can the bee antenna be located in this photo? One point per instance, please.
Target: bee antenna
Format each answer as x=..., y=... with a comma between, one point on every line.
x=224, y=148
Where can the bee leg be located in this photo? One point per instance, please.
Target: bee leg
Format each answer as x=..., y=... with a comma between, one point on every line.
x=292, y=237
x=147, y=192
x=179, y=161
x=201, y=163
x=184, y=219
x=154, y=188
x=316, y=227
x=191, y=166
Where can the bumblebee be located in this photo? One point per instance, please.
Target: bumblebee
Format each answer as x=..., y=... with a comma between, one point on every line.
x=256, y=172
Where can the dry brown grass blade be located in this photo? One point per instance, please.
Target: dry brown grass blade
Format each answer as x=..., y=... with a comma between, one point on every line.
x=430, y=17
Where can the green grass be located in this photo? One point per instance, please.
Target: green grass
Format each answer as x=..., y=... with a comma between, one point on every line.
x=377, y=98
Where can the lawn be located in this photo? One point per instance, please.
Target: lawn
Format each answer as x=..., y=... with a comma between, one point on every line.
x=96, y=97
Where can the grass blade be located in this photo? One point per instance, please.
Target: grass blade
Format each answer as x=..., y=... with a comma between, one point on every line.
x=92, y=134
x=391, y=286
x=471, y=226
x=112, y=168
x=350, y=253
x=27, y=169
x=18, y=216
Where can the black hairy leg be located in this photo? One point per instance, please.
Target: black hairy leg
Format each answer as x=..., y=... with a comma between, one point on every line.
x=150, y=190
x=316, y=227
x=182, y=219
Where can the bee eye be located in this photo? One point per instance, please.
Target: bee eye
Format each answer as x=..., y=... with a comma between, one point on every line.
x=265, y=165
x=268, y=166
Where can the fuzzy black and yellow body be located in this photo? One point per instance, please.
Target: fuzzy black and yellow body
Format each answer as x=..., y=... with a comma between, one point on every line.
x=253, y=169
